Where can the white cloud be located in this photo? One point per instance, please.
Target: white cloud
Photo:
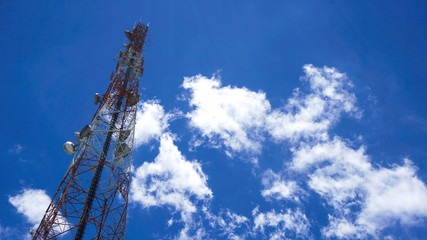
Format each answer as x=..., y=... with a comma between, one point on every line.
x=284, y=225
x=310, y=116
x=17, y=148
x=192, y=229
x=228, y=223
x=227, y=115
x=32, y=203
x=151, y=122
x=365, y=199
x=170, y=180
x=346, y=178
x=238, y=118
x=342, y=228
x=394, y=194
x=278, y=188
x=6, y=232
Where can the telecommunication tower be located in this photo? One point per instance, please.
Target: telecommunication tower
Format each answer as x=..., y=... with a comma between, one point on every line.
x=92, y=198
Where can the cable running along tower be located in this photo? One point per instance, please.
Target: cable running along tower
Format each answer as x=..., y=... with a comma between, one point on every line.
x=92, y=198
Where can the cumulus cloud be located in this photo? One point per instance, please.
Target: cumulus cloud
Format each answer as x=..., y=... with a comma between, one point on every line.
x=170, y=180
x=291, y=224
x=225, y=115
x=151, y=122
x=32, y=203
x=309, y=116
x=393, y=194
x=238, y=118
x=346, y=178
x=173, y=181
x=364, y=198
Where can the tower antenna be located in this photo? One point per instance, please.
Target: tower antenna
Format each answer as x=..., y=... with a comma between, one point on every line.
x=92, y=198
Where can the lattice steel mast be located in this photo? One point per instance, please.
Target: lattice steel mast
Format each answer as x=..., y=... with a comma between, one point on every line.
x=92, y=198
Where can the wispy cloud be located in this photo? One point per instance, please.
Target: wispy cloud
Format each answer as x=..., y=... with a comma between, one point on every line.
x=228, y=223
x=277, y=187
x=17, y=149
x=289, y=224
x=310, y=115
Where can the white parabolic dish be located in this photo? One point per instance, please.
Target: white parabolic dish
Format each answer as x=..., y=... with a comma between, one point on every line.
x=69, y=147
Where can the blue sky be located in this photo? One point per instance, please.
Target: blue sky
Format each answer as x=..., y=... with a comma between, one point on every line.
x=292, y=119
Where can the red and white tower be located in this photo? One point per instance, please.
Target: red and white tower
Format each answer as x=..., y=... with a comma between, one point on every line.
x=92, y=198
